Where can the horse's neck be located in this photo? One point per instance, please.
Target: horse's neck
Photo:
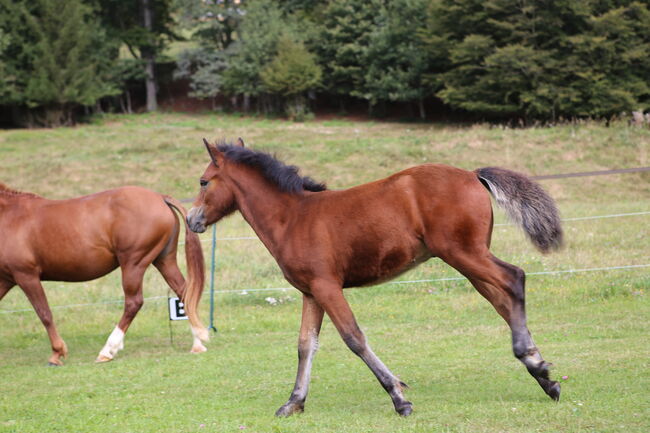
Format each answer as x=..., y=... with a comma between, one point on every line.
x=9, y=196
x=267, y=211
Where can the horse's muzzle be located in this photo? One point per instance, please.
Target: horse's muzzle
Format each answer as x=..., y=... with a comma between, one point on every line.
x=196, y=220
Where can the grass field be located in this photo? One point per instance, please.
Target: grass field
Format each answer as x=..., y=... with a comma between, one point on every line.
x=440, y=337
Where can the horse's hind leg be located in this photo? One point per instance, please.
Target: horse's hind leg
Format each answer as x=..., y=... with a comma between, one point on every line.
x=503, y=285
x=330, y=298
x=33, y=289
x=168, y=268
x=132, y=284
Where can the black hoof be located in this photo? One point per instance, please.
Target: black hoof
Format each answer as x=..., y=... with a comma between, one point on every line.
x=289, y=409
x=405, y=409
x=553, y=390
x=51, y=364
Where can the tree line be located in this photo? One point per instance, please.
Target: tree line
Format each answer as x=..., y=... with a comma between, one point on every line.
x=498, y=59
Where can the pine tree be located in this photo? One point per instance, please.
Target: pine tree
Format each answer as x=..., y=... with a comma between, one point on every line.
x=259, y=31
x=214, y=26
x=59, y=59
x=517, y=58
x=291, y=74
x=396, y=59
x=343, y=42
x=145, y=27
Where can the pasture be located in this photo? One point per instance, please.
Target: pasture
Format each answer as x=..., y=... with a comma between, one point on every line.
x=440, y=337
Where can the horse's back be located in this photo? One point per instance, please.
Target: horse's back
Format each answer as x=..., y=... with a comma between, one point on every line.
x=378, y=230
x=82, y=238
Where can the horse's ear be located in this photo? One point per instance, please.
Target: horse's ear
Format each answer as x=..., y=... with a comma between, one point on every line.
x=240, y=142
x=211, y=151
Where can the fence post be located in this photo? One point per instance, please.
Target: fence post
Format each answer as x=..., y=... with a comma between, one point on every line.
x=212, y=266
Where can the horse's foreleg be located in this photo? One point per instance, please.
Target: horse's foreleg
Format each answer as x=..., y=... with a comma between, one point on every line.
x=168, y=268
x=312, y=318
x=331, y=298
x=33, y=289
x=502, y=284
x=133, y=300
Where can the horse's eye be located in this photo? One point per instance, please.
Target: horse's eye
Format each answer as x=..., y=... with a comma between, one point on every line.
x=203, y=182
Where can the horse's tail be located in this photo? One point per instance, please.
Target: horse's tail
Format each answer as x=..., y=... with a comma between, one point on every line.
x=526, y=204
x=195, y=273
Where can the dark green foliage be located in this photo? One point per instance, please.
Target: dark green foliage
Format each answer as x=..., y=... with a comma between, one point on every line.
x=56, y=57
x=259, y=33
x=204, y=67
x=123, y=21
x=213, y=25
x=291, y=74
x=145, y=27
x=562, y=58
x=493, y=58
x=342, y=45
x=395, y=59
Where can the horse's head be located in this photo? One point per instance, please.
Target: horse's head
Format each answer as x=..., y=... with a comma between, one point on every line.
x=216, y=198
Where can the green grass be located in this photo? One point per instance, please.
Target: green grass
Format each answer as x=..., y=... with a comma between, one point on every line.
x=440, y=337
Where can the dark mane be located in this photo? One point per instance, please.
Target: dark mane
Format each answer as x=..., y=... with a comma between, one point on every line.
x=5, y=190
x=286, y=177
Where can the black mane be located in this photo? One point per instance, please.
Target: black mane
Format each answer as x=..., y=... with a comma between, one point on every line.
x=286, y=177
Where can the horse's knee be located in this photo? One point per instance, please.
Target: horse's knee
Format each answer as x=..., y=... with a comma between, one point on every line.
x=133, y=305
x=46, y=316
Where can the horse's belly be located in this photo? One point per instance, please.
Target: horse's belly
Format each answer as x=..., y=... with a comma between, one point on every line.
x=363, y=271
x=78, y=269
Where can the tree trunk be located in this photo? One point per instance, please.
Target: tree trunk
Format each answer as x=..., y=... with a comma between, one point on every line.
x=129, y=108
x=247, y=102
x=150, y=59
x=423, y=114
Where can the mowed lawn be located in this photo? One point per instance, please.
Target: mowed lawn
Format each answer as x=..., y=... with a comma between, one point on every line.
x=440, y=337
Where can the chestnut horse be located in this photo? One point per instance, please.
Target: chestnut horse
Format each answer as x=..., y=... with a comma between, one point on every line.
x=325, y=241
x=84, y=238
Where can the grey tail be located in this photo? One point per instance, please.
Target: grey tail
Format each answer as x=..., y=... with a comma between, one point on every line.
x=526, y=204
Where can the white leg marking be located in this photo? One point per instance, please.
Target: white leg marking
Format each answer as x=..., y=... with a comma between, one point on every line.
x=197, y=346
x=114, y=344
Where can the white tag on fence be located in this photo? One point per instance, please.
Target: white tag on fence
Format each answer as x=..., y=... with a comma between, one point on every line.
x=176, y=309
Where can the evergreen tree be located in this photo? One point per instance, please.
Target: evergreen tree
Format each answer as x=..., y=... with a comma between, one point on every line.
x=521, y=58
x=57, y=58
x=145, y=27
x=395, y=58
x=214, y=27
x=259, y=31
x=291, y=74
x=343, y=42
x=7, y=82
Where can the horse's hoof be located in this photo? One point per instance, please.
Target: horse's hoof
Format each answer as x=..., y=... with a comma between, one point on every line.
x=289, y=409
x=54, y=364
x=102, y=358
x=198, y=349
x=554, y=390
x=405, y=409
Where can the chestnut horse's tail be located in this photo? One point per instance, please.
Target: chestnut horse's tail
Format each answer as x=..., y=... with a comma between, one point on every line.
x=526, y=204
x=195, y=272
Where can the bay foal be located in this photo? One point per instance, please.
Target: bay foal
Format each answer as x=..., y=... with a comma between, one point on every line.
x=84, y=238
x=326, y=240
